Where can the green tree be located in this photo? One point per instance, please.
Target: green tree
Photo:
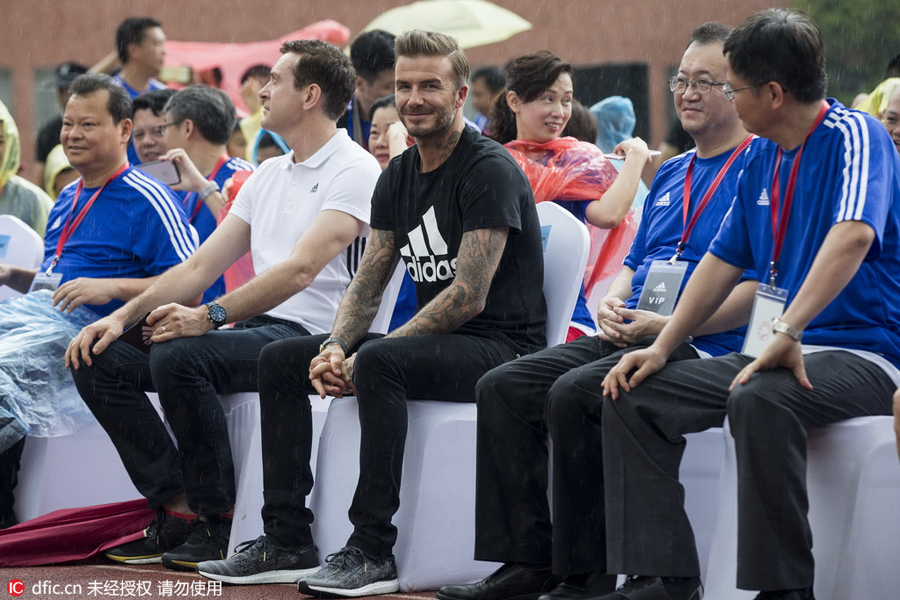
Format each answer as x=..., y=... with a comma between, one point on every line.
x=860, y=38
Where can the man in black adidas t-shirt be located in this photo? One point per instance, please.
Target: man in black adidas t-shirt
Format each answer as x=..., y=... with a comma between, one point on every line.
x=460, y=213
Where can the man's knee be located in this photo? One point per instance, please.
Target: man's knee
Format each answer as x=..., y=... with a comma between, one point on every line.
x=287, y=358
x=568, y=398
x=755, y=405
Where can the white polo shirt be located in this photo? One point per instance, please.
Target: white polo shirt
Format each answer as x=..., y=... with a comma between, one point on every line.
x=280, y=202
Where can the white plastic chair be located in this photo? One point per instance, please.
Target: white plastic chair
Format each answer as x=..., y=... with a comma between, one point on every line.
x=853, y=483
x=20, y=245
x=436, y=519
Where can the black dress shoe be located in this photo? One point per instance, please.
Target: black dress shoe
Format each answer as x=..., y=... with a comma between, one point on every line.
x=581, y=586
x=509, y=582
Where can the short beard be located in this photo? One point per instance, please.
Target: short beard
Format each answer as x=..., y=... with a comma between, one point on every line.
x=443, y=122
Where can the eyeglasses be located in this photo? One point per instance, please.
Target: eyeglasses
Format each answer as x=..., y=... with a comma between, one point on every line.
x=162, y=127
x=679, y=85
x=729, y=91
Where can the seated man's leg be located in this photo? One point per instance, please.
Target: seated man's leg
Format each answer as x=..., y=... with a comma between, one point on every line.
x=387, y=372
x=113, y=388
x=189, y=374
x=285, y=554
x=9, y=477
x=579, y=513
x=647, y=531
x=769, y=418
x=512, y=515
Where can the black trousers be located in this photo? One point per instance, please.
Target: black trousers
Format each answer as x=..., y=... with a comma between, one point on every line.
x=387, y=372
x=648, y=532
x=512, y=520
x=188, y=374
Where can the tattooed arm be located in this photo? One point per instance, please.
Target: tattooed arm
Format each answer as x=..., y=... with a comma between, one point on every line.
x=479, y=254
x=363, y=296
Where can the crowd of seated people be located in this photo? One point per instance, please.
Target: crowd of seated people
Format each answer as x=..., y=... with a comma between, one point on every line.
x=757, y=286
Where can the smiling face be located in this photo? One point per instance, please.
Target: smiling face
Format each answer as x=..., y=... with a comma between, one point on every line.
x=544, y=118
x=378, y=138
x=149, y=138
x=703, y=113
x=427, y=95
x=93, y=143
x=280, y=99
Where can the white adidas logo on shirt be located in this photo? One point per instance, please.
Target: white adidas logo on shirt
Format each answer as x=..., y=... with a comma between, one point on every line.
x=763, y=199
x=426, y=244
x=664, y=201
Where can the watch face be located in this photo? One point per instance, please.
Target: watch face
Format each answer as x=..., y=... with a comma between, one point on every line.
x=216, y=314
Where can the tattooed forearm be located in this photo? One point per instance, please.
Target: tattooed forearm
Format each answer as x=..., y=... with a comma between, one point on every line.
x=363, y=296
x=479, y=254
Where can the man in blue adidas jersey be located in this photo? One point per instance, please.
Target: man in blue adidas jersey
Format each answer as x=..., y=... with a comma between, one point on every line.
x=302, y=217
x=109, y=234
x=817, y=213
x=198, y=123
x=514, y=524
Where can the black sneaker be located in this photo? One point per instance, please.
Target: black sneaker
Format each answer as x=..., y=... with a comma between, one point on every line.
x=258, y=561
x=657, y=588
x=164, y=533
x=802, y=594
x=350, y=573
x=208, y=540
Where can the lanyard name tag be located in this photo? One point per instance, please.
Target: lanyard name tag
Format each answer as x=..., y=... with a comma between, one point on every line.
x=661, y=287
x=45, y=281
x=768, y=305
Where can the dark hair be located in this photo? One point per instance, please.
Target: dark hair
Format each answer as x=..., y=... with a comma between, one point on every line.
x=529, y=76
x=582, y=125
x=780, y=45
x=493, y=77
x=154, y=101
x=371, y=53
x=383, y=102
x=326, y=66
x=419, y=42
x=260, y=72
x=118, y=105
x=209, y=108
x=710, y=33
x=131, y=31
x=893, y=68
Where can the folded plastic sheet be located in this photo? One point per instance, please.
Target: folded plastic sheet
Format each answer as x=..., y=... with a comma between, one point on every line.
x=35, y=386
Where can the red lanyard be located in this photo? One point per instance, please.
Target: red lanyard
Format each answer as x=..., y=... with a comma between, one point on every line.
x=686, y=199
x=71, y=225
x=211, y=177
x=779, y=226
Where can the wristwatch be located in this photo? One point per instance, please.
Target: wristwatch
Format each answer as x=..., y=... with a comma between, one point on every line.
x=779, y=326
x=206, y=192
x=333, y=340
x=216, y=314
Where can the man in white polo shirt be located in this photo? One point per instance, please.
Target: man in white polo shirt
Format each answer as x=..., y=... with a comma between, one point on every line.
x=302, y=216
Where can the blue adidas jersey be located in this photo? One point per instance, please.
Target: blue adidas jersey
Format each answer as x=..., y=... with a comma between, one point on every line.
x=849, y=171
x=662, y=224
x=205, y=222
x=135, y=229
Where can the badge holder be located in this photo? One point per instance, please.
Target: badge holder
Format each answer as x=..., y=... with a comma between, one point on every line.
x=45, y=281
x=768, y=305
x=661, y=286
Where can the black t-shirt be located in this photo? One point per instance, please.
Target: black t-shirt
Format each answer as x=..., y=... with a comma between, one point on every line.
x=47, y=139
x=479, y=186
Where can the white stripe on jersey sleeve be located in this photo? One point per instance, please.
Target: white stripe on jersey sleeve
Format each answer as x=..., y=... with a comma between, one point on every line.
x=181, y=239
x=237, y=163
x=856, y=164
